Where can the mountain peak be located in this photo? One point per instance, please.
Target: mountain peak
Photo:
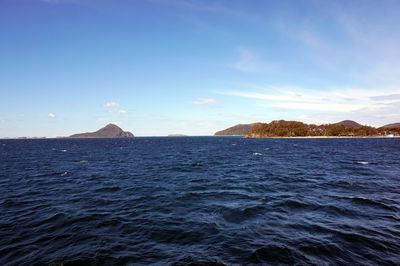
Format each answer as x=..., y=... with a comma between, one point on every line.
x=109, y=131
x=112, y=125
x=349, y=123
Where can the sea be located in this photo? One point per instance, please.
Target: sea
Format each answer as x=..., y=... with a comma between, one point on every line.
x=200, y=201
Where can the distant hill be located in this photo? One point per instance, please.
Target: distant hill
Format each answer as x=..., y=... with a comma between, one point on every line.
x=282, y=128
x=238, y=130
x=109, y=131
x=245, y=129
x=391, y=126
x=349, y=123
x=177, y=135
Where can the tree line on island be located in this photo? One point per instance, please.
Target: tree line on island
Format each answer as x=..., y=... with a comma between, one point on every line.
x=282, y=128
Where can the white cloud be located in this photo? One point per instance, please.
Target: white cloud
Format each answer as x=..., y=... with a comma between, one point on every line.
x=315, y=106
x=205, y=101
x=117, y=111
x=51, y=115
x=112, y=107
x=390, y=97
x=372, y=106
x=111, y=104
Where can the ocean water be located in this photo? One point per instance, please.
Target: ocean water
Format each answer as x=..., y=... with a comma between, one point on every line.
x=207, y=201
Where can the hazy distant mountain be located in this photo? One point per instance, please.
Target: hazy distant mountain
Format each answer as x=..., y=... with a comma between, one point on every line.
x=109, y=131
x=395, y=125
x=238, y=130
x=177, y=135
x=349, y=123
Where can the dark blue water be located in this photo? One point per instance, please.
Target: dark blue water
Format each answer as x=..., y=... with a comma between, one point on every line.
x=188, y=201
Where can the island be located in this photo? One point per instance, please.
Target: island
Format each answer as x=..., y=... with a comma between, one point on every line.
x=283, y=128
x=109, y=131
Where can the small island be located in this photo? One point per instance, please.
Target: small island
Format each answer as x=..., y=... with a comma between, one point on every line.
x=109, y=131
x=177, y=135
x=285, y=129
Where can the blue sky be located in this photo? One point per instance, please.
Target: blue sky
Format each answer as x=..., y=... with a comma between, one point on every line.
x=158, y=67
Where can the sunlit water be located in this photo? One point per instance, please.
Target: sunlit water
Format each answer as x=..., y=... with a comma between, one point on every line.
x=200, y=200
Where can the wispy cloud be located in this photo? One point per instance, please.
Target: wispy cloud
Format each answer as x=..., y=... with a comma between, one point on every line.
x=390, y=97
x=51, y=115
x=332, y=107
x=205, y=101
x=113, y=107
x=339, y=102
x=375, y=115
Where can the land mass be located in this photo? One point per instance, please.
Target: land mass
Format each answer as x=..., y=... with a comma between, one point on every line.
x=282, y=128
x=349, y=123
x=177, y=135
x=391, y=126
x=109, y=131
x=238, y=130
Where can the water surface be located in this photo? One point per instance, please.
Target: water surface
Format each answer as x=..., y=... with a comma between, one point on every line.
x=200, y=200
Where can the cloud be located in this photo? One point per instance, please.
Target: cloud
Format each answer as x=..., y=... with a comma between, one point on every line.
x=111, y=104
x=375, y=115
x=113, y=107
x=373, y=106
x=205, y=101
x=51, y=115
x=391, y=97
x=117, y=111
x=301, y=100
x=335, y=107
